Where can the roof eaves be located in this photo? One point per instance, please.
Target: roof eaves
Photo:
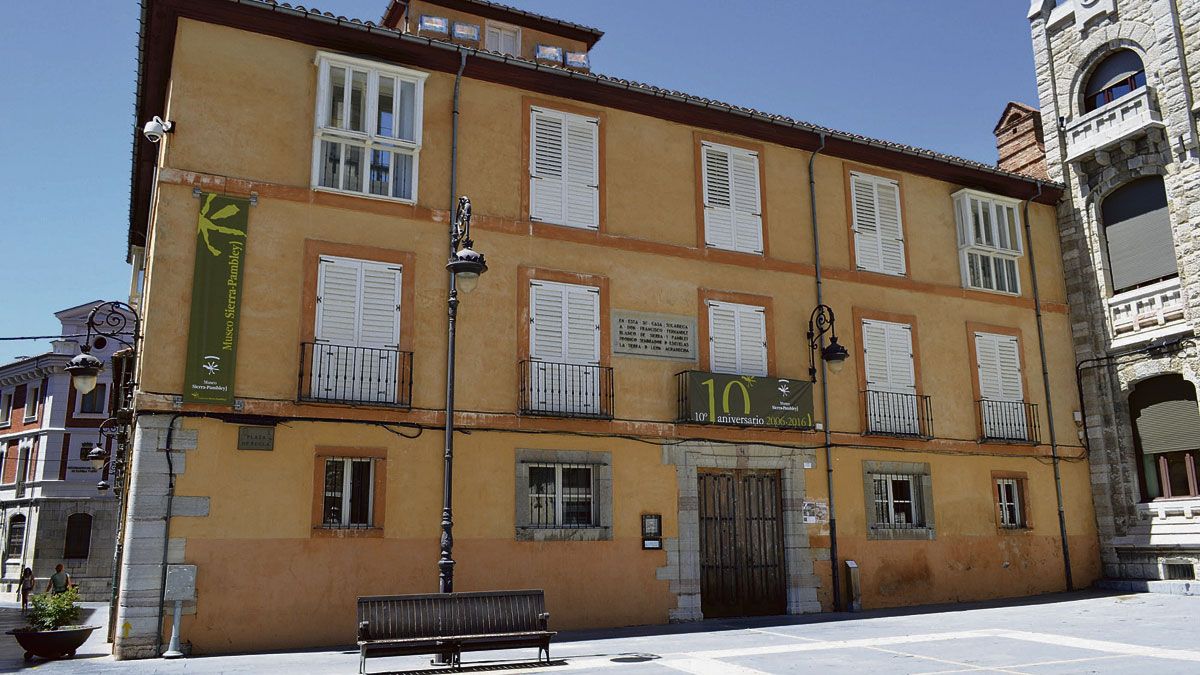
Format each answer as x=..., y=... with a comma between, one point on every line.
x=684, y=97
x=782, y=120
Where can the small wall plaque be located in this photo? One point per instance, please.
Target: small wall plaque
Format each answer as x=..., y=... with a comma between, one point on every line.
x=256, y=438
x=664, y=336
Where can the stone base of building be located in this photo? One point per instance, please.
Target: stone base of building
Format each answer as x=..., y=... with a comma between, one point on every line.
x=1150, y=586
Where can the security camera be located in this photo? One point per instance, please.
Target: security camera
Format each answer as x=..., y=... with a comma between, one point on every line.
x=156, y=128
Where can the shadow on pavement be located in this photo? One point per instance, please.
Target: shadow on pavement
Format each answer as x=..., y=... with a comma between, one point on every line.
x=713, y=625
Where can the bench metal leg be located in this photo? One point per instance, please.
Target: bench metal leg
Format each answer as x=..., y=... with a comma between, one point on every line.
x=362, y=661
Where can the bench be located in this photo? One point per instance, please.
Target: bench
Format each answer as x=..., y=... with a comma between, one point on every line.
x=451, y=623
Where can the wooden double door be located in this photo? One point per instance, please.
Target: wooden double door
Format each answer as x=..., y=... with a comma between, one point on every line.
x=742, y=571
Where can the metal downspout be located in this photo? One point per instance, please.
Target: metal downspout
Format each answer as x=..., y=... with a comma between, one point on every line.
x=1181, y=52
x=462, y=65
x=162, y=595
x=1037, y=309
x=833, y=556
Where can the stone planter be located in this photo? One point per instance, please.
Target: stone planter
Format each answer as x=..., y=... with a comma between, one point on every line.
x=52, y=644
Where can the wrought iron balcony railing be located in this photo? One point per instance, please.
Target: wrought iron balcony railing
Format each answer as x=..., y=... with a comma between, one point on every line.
x=566, y=389
x=1013, y=421
x=331, y=373
x=898, y=414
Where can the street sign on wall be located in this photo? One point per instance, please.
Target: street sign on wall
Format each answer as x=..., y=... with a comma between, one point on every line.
x=743, y=400
x=216, y=299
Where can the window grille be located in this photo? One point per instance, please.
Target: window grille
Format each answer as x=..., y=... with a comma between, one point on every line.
x=349, y=493
x=561, y=495
x=898, y=501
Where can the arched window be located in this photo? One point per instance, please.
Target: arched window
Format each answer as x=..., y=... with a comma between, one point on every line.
x=16, y=536
x=1115, y=76
x=79, y=536
x=1166, y=424
x=1137, y=227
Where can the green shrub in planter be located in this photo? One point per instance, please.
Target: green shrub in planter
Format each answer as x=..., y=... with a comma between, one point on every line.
x=51, y=612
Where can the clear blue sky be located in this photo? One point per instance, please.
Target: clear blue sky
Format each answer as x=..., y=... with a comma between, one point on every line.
x=933, y=73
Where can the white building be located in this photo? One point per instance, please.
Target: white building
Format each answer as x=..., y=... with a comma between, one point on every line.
x=50, y=509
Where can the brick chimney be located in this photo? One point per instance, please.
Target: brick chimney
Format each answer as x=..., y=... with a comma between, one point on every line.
x=1019, y=140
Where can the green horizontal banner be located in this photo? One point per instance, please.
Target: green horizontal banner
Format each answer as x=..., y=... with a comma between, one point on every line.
x=746, y=401
x=216, y=299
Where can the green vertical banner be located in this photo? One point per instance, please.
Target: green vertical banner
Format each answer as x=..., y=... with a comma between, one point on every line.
x=216, y=299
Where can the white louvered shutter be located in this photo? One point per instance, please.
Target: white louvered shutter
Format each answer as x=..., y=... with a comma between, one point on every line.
x=546, y=166
x=878, y=230
x=583, y=172
x=379, y=333
x=737, y=339
x=732, y=198
x=999, y=364
x=357, y=331
x=564, y=169
x=337, y=302
x=564, y=347
x=891, y=377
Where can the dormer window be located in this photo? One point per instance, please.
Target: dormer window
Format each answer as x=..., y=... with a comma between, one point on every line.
x=503, y=38
x=1115, y=76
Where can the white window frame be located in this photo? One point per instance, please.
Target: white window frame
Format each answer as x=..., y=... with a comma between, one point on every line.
x=990, y=248
x=347, y=473
x=735, y=207
x=502, y=28
x=6, y=408
x=33, y=394
x=559, y=497
x=738, y=309
x=368, y=138
x=1011, y=514
x=857, y=229
x=566, y=119
x=888, y=500
x=994, y=418
x=79, y=396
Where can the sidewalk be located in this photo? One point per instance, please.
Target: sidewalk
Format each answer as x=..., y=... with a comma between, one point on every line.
x=91, y=614
x=1089, y=631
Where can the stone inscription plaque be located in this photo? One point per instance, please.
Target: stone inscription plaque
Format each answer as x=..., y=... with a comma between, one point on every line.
x=664, y=336
x=256, y=438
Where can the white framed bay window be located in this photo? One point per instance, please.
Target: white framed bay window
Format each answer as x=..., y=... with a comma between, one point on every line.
x=989, y=241
x=368, y=127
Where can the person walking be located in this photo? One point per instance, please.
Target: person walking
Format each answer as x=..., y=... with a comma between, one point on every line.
x=60, y=581
x=25, y=589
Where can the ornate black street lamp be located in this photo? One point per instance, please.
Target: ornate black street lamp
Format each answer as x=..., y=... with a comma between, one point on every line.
x=465, y=266
x=109, y=320
x=833, y=354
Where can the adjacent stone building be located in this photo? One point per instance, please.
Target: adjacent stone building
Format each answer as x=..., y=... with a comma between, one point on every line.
x=1118, y=84
x=50, y=509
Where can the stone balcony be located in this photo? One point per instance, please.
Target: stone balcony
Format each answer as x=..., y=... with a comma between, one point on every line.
x=1131, y=115
x=1147, y=313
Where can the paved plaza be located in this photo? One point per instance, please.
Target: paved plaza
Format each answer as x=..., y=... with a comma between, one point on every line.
x=1084, y=632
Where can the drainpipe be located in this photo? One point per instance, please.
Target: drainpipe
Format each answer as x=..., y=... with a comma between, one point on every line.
x=1181, y=54
x=833, y=555
x=166, y=529
x=462, y=65
x=1037, y=308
